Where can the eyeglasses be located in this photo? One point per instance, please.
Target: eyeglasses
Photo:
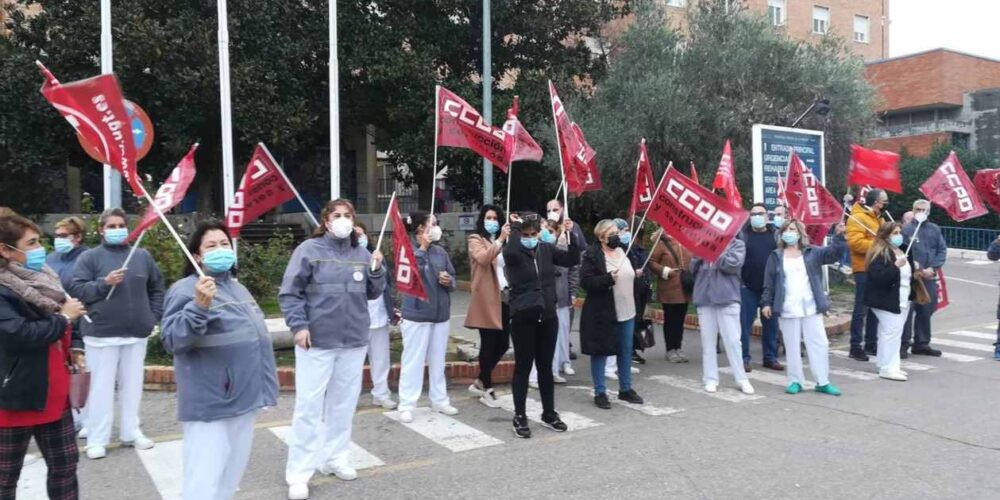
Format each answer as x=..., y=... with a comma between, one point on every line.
x=529, y=216
x=63, y=235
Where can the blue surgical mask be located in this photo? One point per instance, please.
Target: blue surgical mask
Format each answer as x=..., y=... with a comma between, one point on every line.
x=778, y=221
x=625, y=238
x=34, y=259
x=115, y=236
x=219, y=260
x=63, y=245
x=758, y=221
x=491, y=226
x=896, y=240
x=790, y=238
x=363, y=241
x=529, y=243
x=547, y=236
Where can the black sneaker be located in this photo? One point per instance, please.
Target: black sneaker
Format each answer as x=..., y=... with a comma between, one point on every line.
x=601, y=400
x=904, y=352
x=927, y=351
x=521, y=429
x=553, y=422
x=637, y=359
x=871, y=351
x=572, y=355
x=630, y=396
x=858, y=354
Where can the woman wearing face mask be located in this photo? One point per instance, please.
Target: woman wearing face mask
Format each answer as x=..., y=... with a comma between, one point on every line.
x=636, y=256
x=668, y=260
x=489, y=311
x=553, y=234
x=69, y=246
x=382, y=313
x=116, y=342
x=608, y=315
x=793, y=293
x=324, y=298
x=224, y=364
x=534, y=325
x=426, y=324
x=888, y=294
x=36, y=338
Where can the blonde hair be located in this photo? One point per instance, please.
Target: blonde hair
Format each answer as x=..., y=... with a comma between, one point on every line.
x=801, y=228
x=881, y=246
x=603, y=226
x=74, y=225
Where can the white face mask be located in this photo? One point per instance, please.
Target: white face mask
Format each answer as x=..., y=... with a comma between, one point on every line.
x=920, y=216
x=340, y=228
x=434, y=234
x=554, y=215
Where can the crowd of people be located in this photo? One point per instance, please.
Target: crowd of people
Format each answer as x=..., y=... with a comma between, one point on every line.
x=80, y=308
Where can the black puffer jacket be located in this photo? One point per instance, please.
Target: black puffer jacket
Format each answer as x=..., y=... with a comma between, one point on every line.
x=882, y=287
x=599, y=318
x=531, y=273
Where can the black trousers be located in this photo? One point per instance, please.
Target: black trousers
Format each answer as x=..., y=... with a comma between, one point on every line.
x=493, y=345
x=918, y=320
x=673, y=325
x=57, y=442
x=534, y=342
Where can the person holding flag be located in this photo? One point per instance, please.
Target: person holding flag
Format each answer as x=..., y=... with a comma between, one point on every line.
x=669, y=262
x=929, y=252
x=863, y=224
x=382, y=312
x=116, y=342
x=324, y=298
x=888, y=293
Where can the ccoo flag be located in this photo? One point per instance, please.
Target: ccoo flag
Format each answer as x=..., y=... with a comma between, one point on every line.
x=263, y=187
x=171, y=192
x=579, y=164
x=950, y=188
x=407, y=274
x=642, y=193
x=725, y=177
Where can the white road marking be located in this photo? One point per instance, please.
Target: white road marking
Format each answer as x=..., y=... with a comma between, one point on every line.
x=446, y=431
x=533, y=408
x=771, y=378
x=646, y=408
x=165, y=466
x=952, y=278
x=725, y=394
x=32, y=481
x=906, y=365
x=358, y=458
x=964, y=345
x=974, y=335
x=977, y=263
x=961, y=358
x=855, y=374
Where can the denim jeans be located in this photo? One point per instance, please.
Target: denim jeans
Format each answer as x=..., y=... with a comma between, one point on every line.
x=623, y=329
x=862, y=318
x=749, y=304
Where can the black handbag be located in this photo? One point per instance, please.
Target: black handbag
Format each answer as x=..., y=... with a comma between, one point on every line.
x=642, y=336
x=687, y=279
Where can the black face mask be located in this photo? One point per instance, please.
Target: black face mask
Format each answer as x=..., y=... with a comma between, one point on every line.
x=614, y=242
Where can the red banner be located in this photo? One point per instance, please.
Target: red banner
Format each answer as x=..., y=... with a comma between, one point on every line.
x=871, y=167
x=461, y=126
x=407, y=274
x=988, y=186
x=518, y=143
x=579, y=164
x=171, y=193
x=96, y=110
x=263, y=187
x=642, y=192
x=694, y=174
x=950, y=188
x=808, y=200
x=942, y=291
x=725, y=177
x=700, y=221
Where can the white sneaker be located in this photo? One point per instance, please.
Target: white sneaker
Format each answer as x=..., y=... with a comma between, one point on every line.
x=896, y=375
x=711, y=387
x=445, y=409
x=557, y=379
x=406, y=416
x=298, y=491
x=634, y=370
x=82, y=434
x=611, y=375
x=386, y=403
x=343, y=472
x=477, y=389
x=746, y=388
x=533, y=384
x=140, y=443
x=96, y=452
x=489, y=398
x=568, y=369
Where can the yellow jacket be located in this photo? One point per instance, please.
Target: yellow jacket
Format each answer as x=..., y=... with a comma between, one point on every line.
x=861, y=229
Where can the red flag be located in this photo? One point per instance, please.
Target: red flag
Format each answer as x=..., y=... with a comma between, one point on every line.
x=808, y=200
x=700, y=221
x=987, y=183
x=942, y=291
x=642, y=192
x=725, y=177
x=96, y=110
x=950, y=188
x=461, y=126
x=263, y=187
x=407, y=275
x=694, y=174
x=871, y=167
x=518, y=143
x=171, y=193
x=817, y=233
x=579, y=165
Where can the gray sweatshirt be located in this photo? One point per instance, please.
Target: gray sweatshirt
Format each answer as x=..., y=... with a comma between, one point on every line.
x=137, y=304
x=223, y=359
x=326, y=289
x=718, y=283
x=437, y=309
x=562, y=280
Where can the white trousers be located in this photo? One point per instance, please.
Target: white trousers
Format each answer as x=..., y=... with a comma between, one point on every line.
x=215, y=456
x=423, y=343
x=327, y=386
x=811, y=330
x=378, y=362
x=107, y=365
x=890, y=334
x=723, y=321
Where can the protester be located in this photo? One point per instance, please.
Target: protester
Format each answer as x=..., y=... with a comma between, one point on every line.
x=643, y=293
x=554, y=213
x=993, y=253
x=116, y=342
x=530, y=268
x=717, y=298
x=381, y=312
x=907, y=217
x=888, y=294
x=426, y=324
x=608, y=317
x=669, y=263
x=37, y=341
x=68, y=243
x=929, y=252
x=489, y=309
x=553, y=234
x=324, y=297
x=862, y=225
x=761, y=240
x=793, y=293
x=779, y=216
x=223, y=363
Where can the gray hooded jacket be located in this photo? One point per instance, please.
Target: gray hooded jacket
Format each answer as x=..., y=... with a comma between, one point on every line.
x=718, y=283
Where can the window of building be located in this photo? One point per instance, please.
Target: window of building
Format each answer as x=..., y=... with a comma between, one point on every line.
x=676, y=3
x=861, y=29
x=926, y=116
x=776, y=12
x=821, y=20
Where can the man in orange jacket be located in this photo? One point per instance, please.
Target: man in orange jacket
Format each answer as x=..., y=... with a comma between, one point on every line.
x=862, y=225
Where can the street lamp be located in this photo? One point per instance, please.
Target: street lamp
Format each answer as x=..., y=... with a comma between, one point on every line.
x=821, y=106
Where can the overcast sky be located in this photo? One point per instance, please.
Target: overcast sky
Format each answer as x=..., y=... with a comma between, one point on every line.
x=971, y=26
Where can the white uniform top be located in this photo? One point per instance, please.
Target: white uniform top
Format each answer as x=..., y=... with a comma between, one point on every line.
x=377, y=314
x=110, y=341
x=905, y=274
x=501, y=276
x=799, y=300
x=623, y=288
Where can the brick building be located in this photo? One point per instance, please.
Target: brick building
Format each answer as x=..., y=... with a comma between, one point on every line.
x=937, y=96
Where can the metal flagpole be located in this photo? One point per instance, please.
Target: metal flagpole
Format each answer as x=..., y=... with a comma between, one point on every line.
x=510, y=173
x=228, y=188
x=916, y=234
x=437, y=126
x=656, y=241
x=378, y=246
x=334, y=103
x=112, y=179
x=487, y=98
x=643, y=220
x=631, y=219
x=285, y=177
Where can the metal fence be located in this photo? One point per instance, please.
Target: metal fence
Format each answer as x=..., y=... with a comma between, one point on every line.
x=968, y=238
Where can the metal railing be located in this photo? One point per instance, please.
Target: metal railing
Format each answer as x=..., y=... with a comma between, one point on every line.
x=968, y=238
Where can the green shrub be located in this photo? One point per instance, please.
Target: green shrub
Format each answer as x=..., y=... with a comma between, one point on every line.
x=263, y=265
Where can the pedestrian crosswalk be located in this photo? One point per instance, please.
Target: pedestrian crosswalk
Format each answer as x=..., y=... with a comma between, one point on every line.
x=446, y=431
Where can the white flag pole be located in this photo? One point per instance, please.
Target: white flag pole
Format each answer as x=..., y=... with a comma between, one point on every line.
x=656, y=241
x=643, y=220
x=510, y=170
x=437, y=126
x=287, y=181
x=128, y=259
x=228, y=188
x=173, y=232
x=385, y=221
x=631, y=222
x=85, y=316
x=916, y=234
x=562, y=168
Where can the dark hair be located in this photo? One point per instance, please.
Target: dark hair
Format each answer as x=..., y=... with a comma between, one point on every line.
x=416, y=219
x=529, y=220
x=758, y=204
x=872, y=196
x=480, y=222
x=194, y=241
x=12, y=229
x=325, y=214
x=113, y=212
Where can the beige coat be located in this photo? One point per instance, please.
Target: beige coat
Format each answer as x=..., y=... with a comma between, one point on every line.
x=669, y=291
x=484, y=306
